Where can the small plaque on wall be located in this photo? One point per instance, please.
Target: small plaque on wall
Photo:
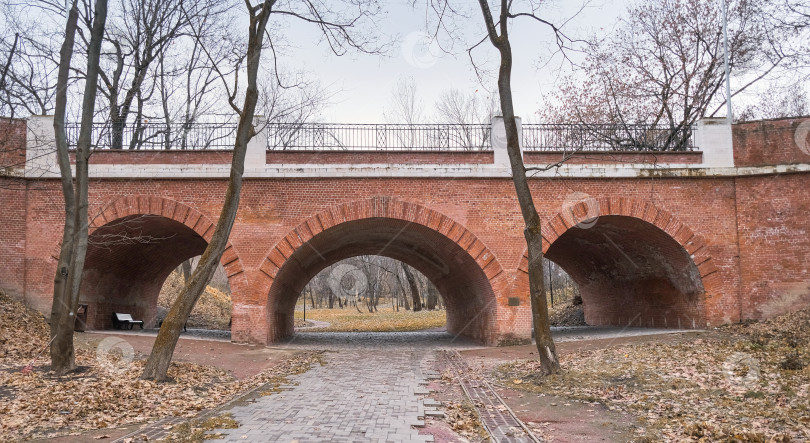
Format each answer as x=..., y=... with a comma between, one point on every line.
x=514, y=301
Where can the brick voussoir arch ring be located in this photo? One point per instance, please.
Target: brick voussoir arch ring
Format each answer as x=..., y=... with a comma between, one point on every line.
x=382, y=207
x=694, y=244
x=129, y=205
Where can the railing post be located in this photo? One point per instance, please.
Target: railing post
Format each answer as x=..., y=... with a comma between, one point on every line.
x=256, y=155
x=497, y=139
x=40, y=146
x=713, y=138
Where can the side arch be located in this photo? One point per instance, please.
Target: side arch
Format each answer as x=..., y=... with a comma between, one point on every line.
x=635, y=264
x=134, y=243
x=133, y=205
x=422, y=237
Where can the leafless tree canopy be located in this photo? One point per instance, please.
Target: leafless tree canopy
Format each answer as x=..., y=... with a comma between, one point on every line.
x=163, y=63
x=367, y=282
x=664, y=62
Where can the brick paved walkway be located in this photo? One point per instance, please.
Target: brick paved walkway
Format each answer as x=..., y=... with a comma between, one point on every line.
x=370, y=390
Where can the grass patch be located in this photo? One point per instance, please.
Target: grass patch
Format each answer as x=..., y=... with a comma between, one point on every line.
x=349, y=320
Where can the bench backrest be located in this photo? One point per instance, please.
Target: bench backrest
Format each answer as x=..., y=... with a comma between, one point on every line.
x=123, y=317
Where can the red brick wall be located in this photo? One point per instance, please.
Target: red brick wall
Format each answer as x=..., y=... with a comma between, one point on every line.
x=388, y=157
x=774, y=226
x=532, y=157
x=125, y=157
x=12, y=143
x=769, y=142
x=271, y=210
x=12, y=236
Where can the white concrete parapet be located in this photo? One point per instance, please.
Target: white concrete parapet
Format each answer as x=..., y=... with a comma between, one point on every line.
x=40, y=149
x=497, y=138
x=713, y=137
x=256, y=155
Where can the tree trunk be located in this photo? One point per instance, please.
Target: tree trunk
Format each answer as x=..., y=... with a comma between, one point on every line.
x=432, y=298
x=186, y=270
x=417, y=301
x=546, y=351
x=158, y=363
x=74, y=238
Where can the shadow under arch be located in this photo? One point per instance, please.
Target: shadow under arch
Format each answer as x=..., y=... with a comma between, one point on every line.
x=460, y=266
x=133, y=246
x=634, y=264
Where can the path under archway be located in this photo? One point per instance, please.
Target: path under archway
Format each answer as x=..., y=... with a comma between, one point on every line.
x=454, y=260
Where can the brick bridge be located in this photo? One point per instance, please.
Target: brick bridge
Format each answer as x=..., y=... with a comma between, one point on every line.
x=688, y=238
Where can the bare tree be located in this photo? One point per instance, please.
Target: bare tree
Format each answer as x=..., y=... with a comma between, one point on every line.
x=30, y=61
x=497, y=28
x=663, y=65
x=158, y=363
x=414, y=288
x=337, y=30
x=469, y=114
x=405, y=105
x=143, y=30
x=74, y=239
x=777, y=103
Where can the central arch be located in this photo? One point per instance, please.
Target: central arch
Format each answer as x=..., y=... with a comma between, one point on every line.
x=460, y=266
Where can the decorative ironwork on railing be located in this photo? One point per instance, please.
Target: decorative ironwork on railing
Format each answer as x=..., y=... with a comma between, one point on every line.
x=602, y=137
x=157, y=136
x=388, y=137
x=378, y=137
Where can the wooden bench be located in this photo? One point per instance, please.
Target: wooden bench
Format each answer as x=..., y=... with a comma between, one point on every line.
x=120, y=321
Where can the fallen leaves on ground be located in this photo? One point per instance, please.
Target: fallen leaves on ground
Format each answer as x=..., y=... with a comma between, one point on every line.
x=199, y=430
x=212, y=310
x=349, y=320
x=731, y=386
x=103, y=392
x=567, y=315
x=463, y=419
x=23, y=331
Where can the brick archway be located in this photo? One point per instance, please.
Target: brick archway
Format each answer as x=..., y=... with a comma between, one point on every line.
x=134, y=244
x=439, y=247
x=635, y=264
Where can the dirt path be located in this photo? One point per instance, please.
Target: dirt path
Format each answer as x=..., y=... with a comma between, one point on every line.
x=241, y=361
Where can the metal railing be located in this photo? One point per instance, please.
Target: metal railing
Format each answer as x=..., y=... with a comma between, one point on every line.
x=378, y=137
x=387, y=137
x=157, y=136
x=602, y=137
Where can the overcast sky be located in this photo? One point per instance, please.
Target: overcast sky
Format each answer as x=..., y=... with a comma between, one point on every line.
x=365, y=82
